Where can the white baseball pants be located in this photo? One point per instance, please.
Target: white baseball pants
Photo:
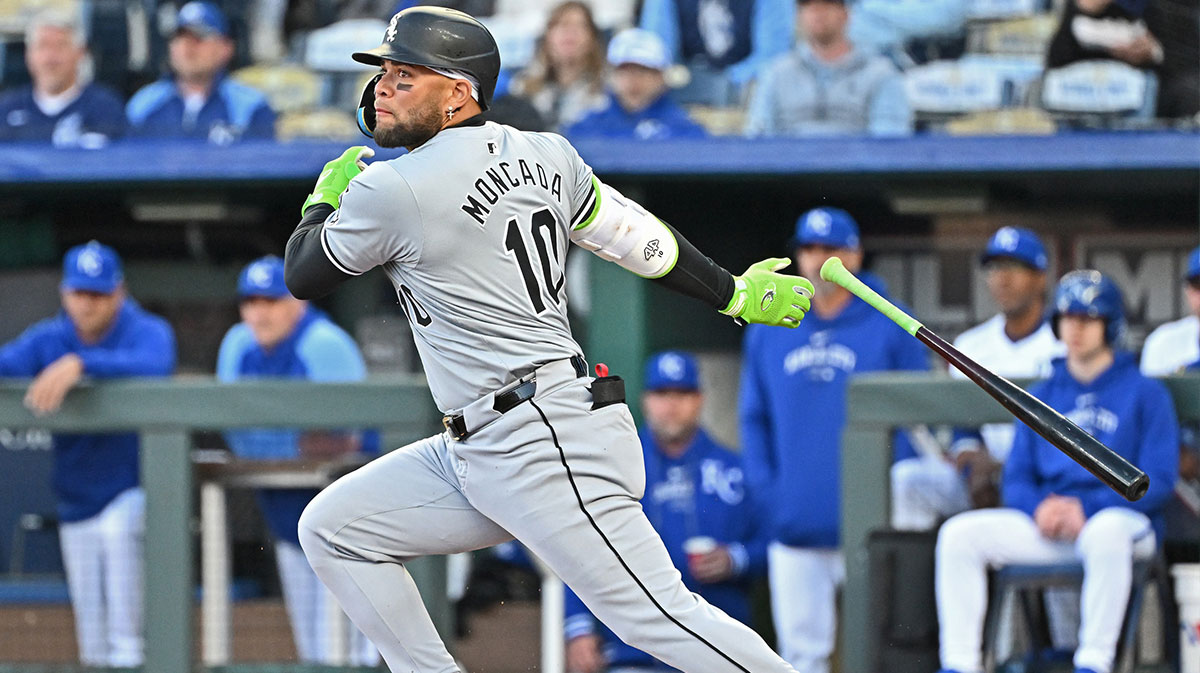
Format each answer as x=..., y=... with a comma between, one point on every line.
x=309, y=608
x=925, y=490
x=563, y=479
x=804, y=585
x=103, y=560
x=972, y=542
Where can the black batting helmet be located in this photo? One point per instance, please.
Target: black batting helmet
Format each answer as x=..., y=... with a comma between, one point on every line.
x=441, y=38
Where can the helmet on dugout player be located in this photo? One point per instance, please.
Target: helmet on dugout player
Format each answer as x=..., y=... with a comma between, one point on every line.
x=1091, y=293
x=434, y=37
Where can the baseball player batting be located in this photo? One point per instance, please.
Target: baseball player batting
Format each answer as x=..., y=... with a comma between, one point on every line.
x=472, y=228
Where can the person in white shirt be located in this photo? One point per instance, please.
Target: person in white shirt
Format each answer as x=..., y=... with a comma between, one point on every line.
x=1175, y=345
x=1017, y=343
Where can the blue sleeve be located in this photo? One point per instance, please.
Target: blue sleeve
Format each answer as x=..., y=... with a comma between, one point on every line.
x=753, y=561
x=1157, y=455
x=661, y=17
x=757, y=459
x=577, y=620
x=890, y=113
x=771, y=34
x=20, y=357
x=1019, y=487
x=233, y=349
x=330, y=355
x=760, y=110
x=151, y=352
x=262, y=124
x=105, y=112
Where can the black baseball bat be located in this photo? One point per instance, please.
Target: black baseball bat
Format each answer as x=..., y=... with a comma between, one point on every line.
x=1109, y=466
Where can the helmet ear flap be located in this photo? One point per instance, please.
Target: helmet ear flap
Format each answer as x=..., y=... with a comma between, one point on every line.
x=366, y=108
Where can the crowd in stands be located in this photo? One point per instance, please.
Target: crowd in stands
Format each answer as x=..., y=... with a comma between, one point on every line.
x=85, y=74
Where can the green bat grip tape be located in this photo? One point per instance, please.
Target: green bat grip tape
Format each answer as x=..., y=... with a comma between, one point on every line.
x=835, y=272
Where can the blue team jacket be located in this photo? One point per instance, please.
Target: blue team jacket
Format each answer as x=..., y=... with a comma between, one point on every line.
x=702, y=492
x=316, y=350
x=232, y=112
x=94, y=118
x=661, y=120
x=1128, y=412
x=793, y=408
x=92, y=469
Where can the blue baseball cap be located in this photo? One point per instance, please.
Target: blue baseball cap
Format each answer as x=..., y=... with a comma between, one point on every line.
x=92, y=267
x=263, y=278
x=202, y=18
x=672, y=370
x=1193, y=267
x=1015, y=243
x=639, y=46
x=833, y=227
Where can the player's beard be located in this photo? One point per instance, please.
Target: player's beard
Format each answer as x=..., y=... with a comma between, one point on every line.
x=421, y=125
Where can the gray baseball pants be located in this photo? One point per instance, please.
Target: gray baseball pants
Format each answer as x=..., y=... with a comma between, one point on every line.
x=561, y=478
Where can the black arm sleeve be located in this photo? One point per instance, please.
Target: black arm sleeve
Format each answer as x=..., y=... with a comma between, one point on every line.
x=307, y=272
x=695, y=275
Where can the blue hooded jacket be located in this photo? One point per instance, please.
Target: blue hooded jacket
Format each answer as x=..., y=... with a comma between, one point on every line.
x=1128, y=412
x=90, y=470
x=661, y=120
x=793, y=410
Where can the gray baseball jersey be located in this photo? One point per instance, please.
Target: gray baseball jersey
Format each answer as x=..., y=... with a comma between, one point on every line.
x=472, y=229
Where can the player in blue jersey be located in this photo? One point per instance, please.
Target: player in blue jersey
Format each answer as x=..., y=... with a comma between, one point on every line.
x=697, y=500
x=282, y=337
x=198, y=101
x=793, y=409
x=1017, y=342
x=101, y=333
x=59, y=106
x=1055, y=510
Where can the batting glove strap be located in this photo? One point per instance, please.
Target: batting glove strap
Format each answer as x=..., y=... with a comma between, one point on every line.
x=336, y=176
x=763, y=296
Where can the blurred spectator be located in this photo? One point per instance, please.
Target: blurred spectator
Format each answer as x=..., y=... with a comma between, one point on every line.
x=827, y=87
x=725, y=44
x=101, y=333
x=1173, y=346
x=1055, y=510
x=639, y=103
x=565, y=81
x=283, y=337
x=793, y=410
x=697, y=500
x=1174, y=23
x=59, y=106
x=1104, y=29
x=889, y=26
x=198, y=101
x=1017, y=342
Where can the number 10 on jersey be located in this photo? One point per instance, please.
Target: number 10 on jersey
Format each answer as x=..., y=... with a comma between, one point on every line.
x=543, y=229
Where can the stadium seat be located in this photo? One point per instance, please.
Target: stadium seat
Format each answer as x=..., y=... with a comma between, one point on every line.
x=288, y=88
x=1024, y=36
x=327, y=51
x=1003, y=9
x=331, y=124
x=1103, y=90
x=1027, y=582
x=942, y=90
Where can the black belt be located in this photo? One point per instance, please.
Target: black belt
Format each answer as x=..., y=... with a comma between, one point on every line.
x=505, y=401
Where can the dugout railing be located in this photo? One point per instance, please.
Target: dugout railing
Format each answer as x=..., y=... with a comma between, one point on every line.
x=877, y=405
x=166, y=413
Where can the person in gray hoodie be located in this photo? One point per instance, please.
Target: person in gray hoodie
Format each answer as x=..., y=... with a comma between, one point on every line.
x=825, y=86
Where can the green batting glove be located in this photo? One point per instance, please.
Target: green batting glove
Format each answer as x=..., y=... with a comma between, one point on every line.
x=337, y=176
x=762, y=296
